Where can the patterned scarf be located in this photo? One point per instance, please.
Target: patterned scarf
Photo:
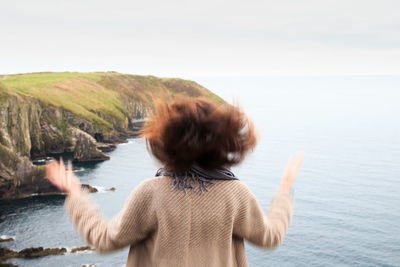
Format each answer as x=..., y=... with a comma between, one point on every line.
x=196, y=174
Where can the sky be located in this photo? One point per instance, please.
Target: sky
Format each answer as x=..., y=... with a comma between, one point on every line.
x=172, y=38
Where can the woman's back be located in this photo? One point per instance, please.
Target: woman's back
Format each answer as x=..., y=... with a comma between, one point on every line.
x=197, y=142
x=167, y=227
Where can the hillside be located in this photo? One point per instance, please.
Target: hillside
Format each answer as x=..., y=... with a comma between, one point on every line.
x=104, y=93
x=42, y=113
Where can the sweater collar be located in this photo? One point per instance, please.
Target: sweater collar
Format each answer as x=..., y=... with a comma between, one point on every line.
x=197, y=175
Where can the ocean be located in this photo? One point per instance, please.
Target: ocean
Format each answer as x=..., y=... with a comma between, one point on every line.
x=347, y=195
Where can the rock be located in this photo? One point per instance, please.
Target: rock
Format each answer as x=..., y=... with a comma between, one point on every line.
x=40, y=252
x=74, y=250
x=7, y=264
x=19, y=177
x=136, y=127
x=111, y=189
x=6, y=253
x=91, y=189
x=85, y=148
x=32, y=252
x=106, y=147
x=6, y=239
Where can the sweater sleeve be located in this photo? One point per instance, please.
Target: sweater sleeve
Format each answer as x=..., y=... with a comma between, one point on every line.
x=262, y=230
x=131, y=225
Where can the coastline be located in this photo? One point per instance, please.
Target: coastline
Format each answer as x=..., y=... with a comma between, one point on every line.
x=86, y=114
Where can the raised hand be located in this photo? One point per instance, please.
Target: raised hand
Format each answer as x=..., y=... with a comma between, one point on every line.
x=63, y=179
x=290, y=173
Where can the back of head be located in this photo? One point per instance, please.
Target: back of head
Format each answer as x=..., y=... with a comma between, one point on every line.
x=198, y=131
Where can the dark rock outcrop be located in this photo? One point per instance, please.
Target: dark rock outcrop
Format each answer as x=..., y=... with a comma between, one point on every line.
x=89, y=188
x=40, y=252
x=7, y=239
x=78, y=249
x=19, y=177
x=32, y=252
x=6, y=253
x=86, y=148
x=106, y=147
x=7, y=264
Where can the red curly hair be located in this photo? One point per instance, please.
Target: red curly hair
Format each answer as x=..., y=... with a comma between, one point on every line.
x=196, y=130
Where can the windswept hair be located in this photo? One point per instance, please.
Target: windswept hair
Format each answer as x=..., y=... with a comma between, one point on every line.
x=196, y=130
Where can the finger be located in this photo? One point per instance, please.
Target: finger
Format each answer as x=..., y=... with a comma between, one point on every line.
x=52, y=170
x=48, y=174
x=62, y=172
x=286, y=173
x=69, y=165
x=298, y=162
x=287, y=167
x=51, y=174
x=69, y=175
x=69, y=169
x=62, y=163
x=48, y=170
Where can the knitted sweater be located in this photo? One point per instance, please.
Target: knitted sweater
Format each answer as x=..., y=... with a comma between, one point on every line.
x=165, y=227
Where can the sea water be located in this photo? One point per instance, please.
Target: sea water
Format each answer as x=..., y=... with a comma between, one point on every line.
x=347, y=196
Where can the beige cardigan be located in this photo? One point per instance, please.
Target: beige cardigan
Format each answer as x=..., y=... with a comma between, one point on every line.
x=165, y=227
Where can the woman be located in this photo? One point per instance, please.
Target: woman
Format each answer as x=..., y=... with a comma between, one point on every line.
x=195, y=212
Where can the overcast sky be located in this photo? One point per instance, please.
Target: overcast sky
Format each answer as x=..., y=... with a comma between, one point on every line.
x=201, y=38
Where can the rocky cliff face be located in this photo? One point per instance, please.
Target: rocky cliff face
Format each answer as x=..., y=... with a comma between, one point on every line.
x=19, y=177
x=72, y=112
x=85, y=148
x=28, y=130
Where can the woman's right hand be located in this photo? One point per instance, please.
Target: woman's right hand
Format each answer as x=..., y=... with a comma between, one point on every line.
x=63, y=179
x=290, y=173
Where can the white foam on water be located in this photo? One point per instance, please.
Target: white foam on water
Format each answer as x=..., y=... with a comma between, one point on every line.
x=127, y=143
x=84, y=252
x=100, y=189
x=7, y=236
x=69, y=250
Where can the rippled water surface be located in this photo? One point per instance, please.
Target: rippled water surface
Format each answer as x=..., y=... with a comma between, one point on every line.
x=347, y=197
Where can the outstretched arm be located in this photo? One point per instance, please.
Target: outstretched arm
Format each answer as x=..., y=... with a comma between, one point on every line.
x=262, y=230
x=268, y=230
x=134, y=222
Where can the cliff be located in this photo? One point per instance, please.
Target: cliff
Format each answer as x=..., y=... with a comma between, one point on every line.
x=42, y=113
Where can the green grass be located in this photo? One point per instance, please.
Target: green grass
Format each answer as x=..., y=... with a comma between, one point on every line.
x=105, y=93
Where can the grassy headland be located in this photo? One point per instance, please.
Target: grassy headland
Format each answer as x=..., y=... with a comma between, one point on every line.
x=44, y=113
x=107, y=93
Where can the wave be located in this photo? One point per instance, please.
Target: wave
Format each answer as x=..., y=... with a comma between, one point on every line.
x=86, y=251
x=100, y=189
x=7, y=236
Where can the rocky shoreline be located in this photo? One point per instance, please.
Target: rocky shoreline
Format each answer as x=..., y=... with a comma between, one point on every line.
x=86, y=114
x=35, y=252
x=30, y=131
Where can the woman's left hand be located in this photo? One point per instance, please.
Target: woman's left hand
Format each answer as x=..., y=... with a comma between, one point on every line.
x=63, y=179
